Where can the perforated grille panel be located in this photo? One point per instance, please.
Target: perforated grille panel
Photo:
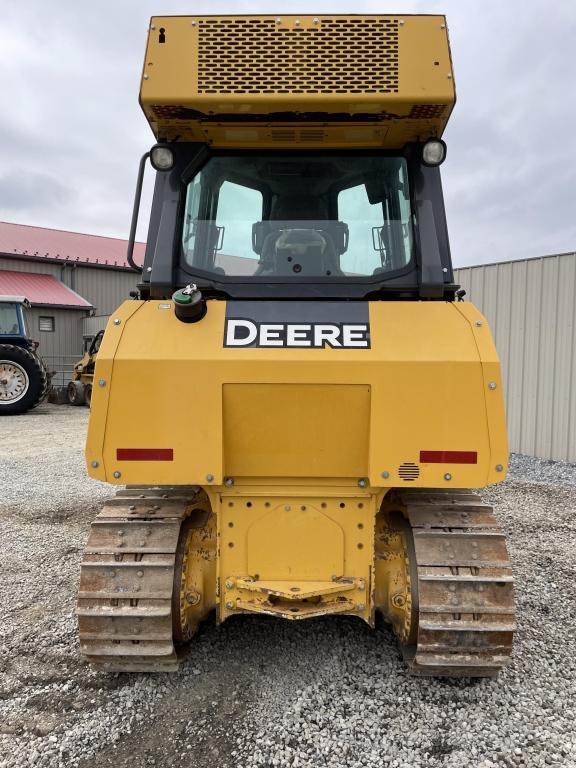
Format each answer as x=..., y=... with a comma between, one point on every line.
x=339, y=55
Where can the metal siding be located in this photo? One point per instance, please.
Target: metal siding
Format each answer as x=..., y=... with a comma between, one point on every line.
x=92, y=325
x=570, y=372
x=105, y=289
x=20, y=265
x=67, y=336
x=531, y=344
x=546, y=367
x=531, y=308
x=501, y=327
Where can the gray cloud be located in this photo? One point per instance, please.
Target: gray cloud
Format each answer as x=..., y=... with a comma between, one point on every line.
x=72, y=127
x=34, y=192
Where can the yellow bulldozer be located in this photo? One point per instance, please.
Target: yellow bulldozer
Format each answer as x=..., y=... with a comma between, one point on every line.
x=298, y=400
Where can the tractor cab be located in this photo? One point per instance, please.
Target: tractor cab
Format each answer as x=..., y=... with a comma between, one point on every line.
x=13, y=325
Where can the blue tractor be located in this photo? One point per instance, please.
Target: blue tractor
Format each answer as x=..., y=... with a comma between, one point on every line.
x=23, y=375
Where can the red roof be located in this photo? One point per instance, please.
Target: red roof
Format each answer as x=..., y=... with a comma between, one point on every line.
x=42, y=243
x=40, y=289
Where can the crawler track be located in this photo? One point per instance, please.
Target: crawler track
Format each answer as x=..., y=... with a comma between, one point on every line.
x=125, y=606
x=464, y=590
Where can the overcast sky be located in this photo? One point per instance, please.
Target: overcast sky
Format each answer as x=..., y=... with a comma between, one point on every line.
x=71, y=129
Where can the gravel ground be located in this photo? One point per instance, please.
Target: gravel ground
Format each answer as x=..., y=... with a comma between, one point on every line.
x=263, y=692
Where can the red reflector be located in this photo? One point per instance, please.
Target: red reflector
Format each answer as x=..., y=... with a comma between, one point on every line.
x=144, y=454
x=448, y=457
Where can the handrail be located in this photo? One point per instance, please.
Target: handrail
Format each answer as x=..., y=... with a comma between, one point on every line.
x=135, y=212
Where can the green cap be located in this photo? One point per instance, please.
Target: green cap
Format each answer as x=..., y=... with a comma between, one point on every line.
x=182, y=298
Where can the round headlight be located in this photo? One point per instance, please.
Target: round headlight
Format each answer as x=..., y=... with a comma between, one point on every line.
x=162, y=158
x=434, y=152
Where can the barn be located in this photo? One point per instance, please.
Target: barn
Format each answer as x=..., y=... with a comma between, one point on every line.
x=73, y=281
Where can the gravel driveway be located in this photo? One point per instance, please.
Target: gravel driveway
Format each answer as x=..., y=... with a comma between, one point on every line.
x=264, y=692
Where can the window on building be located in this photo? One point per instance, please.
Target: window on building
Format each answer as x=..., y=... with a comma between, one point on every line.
x=46, y=323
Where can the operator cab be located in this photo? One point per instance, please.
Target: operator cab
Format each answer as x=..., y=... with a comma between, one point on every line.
x=286, y=224
x=298, y=216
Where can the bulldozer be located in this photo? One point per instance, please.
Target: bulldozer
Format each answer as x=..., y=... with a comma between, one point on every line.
x=298, y=401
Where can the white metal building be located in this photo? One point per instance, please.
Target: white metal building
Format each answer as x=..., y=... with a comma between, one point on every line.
x=531, y=307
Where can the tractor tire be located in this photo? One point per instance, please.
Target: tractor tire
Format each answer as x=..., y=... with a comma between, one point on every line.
x=76, y=393
x=88, y=394
x=23, y=380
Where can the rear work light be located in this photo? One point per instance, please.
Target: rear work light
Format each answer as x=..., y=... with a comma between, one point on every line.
x=434, y=152
x=448, y=457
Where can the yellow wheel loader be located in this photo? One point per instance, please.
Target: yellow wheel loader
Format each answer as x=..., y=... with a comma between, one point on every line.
x=297, y=401
x=79, y=390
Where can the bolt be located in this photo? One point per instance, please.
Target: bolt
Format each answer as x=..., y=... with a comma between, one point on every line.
x=449, y=76
x=385, y=475
x=209, y=478
x=398, y=601
x=229, y=481
x=193, y=23
x=121, y=533
x=132, y=507
x=278, y=20
x=401, y=22
x=297, y=23
x=230, y=605
x=140, y=574
x=102, y=382
x=499, y=468
x=315, y=20
x=117, y=474
x=117, y=321
x=229, y=584
x=152, y=28
x=442, y=26
x=478, y=323
x=95, y=464
x=447, y=476
x=145, y=77
x=362, y=482
x=360, y=606
x=192, y=597
x=361, y=584
x=492, y=385
x=113, y=574
x=148, y=269
x=287, y=508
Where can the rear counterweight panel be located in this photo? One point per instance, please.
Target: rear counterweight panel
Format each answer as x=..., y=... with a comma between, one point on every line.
x=429, y=381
